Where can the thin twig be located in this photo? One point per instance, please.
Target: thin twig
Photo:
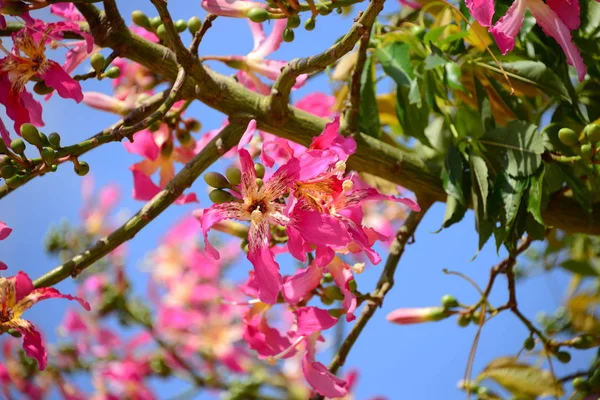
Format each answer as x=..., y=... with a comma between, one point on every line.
x=350, y=123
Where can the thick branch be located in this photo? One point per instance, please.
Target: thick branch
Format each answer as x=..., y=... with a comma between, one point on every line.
x=230, y=135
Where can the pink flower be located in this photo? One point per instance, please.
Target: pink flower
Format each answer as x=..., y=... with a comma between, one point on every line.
x=230, y=8
x=145, y=190
x=17, y=296
x=259, y=206
x=254, y=62
x=405, y=316
x=556, y=17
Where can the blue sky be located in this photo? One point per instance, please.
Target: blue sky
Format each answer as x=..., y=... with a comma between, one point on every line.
x=402, y=362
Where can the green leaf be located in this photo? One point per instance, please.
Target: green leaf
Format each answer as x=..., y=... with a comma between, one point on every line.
x=583, y=268
x=590, y=18
x=580, y=192
x=412, y=118
x=434, y=34
x=521, y=144
x=453, y=75
x=537, y=74
x=455, y=212
x=536, y=195
x=522, y=379
x=452, y=175
x=433, y=61
x=510, y=191
x=480, y=181
x=368, y=111
x=395, y=60
x=483, y=104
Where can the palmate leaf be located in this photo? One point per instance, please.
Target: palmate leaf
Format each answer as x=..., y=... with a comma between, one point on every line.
x=521, y=379
x=521, y=147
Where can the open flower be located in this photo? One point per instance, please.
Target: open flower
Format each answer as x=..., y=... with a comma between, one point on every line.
x=259, y=206
x=18, y=295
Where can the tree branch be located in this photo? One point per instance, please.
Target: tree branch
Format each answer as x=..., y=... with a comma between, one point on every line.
x=228, y=137
x=350, y=121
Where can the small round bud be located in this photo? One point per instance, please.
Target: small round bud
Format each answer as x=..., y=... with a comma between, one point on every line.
x=53, y=168
x=327, y=278
x=327, y=301
x=81, y=168
x=563, y=356
x=44, y=139
x=216, y=180
x=293, y=21
x=161, y=32
x=234, y=175
x=310, y=23
x=8, y=171
x=15, y=181
x=529, y=344
x=476, y=317
x=336, y=312
x=463, y=320
x=333, y=292
x=260, y=170
x=288, y=35
x=592, y=131
x=352, y=286
x=112, y=73
x=4, y=160
x=155, y=22
x=180, y=25
x=587, y=152
x=449, y=301
x=259, y=182
x=219, y=196
x=18, y=146
x=54, y=139
x=140, y=19
x=154, y=127
x=568, y=136
x=98, y=61
x=48, y=155
x=14, y=333
x=31, y=134
x=258, y=15
x=194, y=25
x=581, y=384
x=41, y=88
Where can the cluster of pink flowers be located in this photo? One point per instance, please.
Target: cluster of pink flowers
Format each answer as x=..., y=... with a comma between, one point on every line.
x=556, y=17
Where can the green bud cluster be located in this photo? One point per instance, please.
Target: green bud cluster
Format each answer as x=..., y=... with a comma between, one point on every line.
x=194, y=25
x=449, y=301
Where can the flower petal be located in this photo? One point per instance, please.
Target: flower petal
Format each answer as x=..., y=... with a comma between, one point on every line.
x=144, y=145
x=301, y=283
x=272, y=42
x=312, y=320
x=32, y=341
x=342, y=276
x=481, y=10
x=4, y=231
x=66, y=87
x=248, y=134
x=214, y=214
x=319, y=377
x=266, y=269
x=554, y=26
x=567, y=10
x=248, y=184
x=507, y=27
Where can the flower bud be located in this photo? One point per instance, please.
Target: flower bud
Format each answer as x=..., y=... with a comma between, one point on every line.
x=54, y=139
x=8, y=171
x=234, y=175
x=584, y=342
x=563, y=356
x=587, y=152
x=405, y=316
x=3, y=148
x=293, y=21
x=463, y=320
x=48, y=155
x=98, y=61
x=259, y=182
x=219, y=196
x=161, y=32
x=260, y=170
x=592, y=131
x=352, y=286
x=155, y=22
x=258, y=15
x=194, y=25
x=112, y=73
x=140, y=19
x=31, y=134
x=81, y=168
x=14, y=333
x=309, y=25
x=529, y=344
x=4, y=161
x=41, y=88
x=216, y=180
x=180, y=25
x=18, y=146
x=449, y=301
x=568, y=137
x=333, y=292
x=288, y=35
x=581, y=384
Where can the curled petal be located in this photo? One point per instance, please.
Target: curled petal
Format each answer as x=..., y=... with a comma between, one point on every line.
x=215, y=214
x=312, y=320
x=266, y=269
x=32, y=341
x=507, y=27
x=357, y=196
x=342, y=276
x=23, y=286
x=567, y=10
x=51, y=293
x=482, y=10
x=144, y=145
x=248, y=134
x=331, y=139
x=4, y=231
x=265, y=340
x=103, y=102
x=66, y=87
x=554, y=26
x=319, y=377
x=272, y=42
x=301, y=284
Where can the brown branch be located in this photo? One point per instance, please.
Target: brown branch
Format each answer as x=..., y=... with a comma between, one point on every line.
x=350, y=123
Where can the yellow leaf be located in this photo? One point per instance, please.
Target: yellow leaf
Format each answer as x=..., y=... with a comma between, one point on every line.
x=386, y=104
x=522, y=379
x=478, y=37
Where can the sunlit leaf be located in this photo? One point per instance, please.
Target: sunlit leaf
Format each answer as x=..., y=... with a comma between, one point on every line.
x=395, y=60
x=580, y=267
